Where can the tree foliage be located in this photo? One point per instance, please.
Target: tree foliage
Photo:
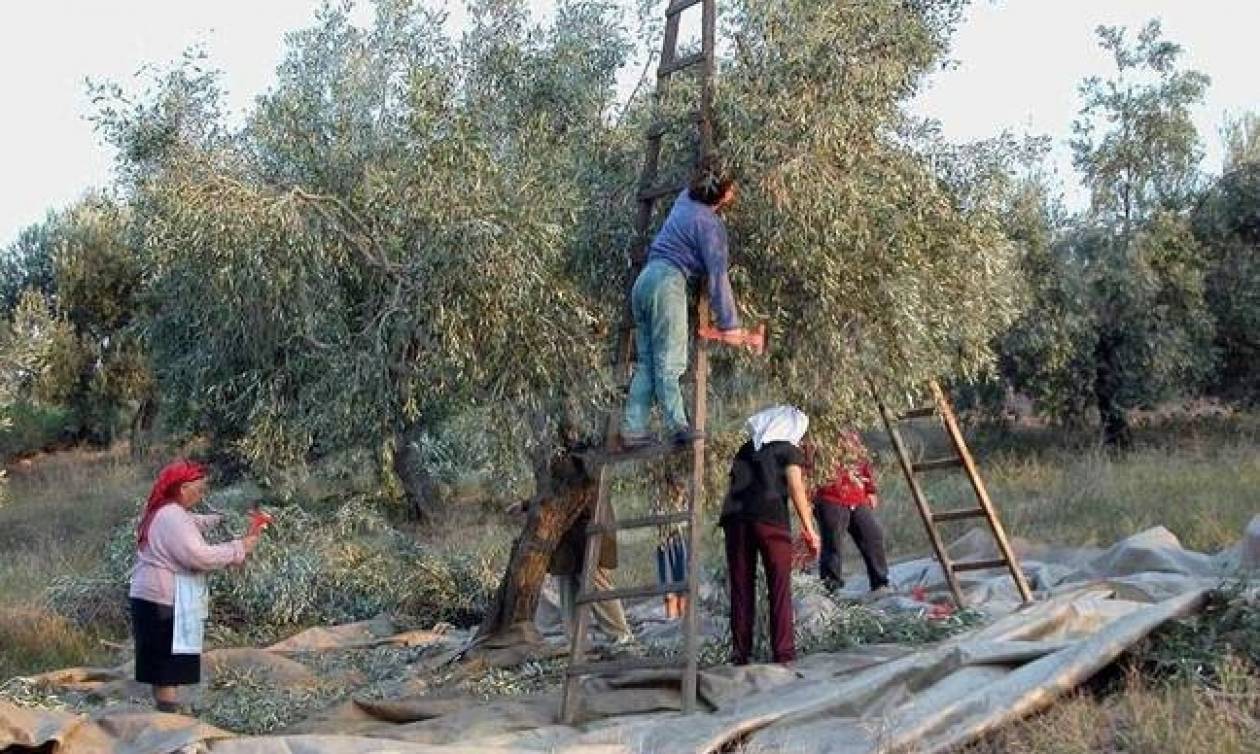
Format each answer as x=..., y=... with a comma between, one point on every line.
x=1047, y=352
x=75, y=316
x=389, y=242
x=26, y=264
x=1227, y=224
x=1241, y=137
x=870, y=259
x=411, y=227
x=1119, y=316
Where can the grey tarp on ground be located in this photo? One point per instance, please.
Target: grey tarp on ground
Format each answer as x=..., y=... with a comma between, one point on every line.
x=869, y=700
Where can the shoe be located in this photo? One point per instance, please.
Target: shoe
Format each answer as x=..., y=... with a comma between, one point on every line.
x=631, y=441
x=686, y=436
x=878, y=593
x=625, y=640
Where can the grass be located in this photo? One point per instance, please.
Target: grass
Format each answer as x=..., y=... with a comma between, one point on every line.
x=1143, y=718
x=56, y=524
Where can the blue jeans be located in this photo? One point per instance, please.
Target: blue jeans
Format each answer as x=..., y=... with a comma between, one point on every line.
x=659, y=304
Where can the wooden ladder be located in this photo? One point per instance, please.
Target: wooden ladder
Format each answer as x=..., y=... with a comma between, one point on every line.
x=962, y=458
x=649, y=192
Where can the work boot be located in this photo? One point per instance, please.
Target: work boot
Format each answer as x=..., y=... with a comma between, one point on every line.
x=686, y=436
x=631, y=441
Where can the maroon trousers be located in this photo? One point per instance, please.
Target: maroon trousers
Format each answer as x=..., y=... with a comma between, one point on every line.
x=744, y=541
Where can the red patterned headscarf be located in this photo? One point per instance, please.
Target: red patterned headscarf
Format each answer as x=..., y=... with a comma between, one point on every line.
x=164, y=490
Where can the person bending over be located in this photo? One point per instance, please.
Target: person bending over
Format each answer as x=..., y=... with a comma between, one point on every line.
x=765, y=475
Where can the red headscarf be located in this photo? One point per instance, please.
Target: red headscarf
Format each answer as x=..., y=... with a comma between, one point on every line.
x=164, y=490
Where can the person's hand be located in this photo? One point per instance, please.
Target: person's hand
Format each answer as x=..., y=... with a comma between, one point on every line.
x=249, y=541
x=811, y=541
x=735, y=337
x=874, y=501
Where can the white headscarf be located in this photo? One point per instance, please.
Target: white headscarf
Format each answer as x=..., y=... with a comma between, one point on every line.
x=777, y=424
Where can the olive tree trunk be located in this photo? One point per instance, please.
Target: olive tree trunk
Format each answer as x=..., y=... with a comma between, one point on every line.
x=554, y=510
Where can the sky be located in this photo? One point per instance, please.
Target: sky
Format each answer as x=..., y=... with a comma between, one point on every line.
x=1019, y=63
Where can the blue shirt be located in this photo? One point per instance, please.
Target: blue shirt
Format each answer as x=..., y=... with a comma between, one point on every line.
x=693, y=239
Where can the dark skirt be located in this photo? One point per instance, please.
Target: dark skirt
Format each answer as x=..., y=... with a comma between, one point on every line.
x=153, y=627
x=671, y=560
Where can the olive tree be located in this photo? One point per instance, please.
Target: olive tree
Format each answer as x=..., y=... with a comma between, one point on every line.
x=1139, y=153
x=391, y=241
x=78, y=271
x=1227, y=224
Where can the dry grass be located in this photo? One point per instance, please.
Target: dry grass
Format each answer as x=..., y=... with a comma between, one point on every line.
x=1142, y=719
x=32, y=640
x=70, y=501
x=56, y=523
x=1197, y=478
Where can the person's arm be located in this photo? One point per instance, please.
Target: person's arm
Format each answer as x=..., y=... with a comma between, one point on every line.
x=715, y=254
x=208, y=521
x=182, y=539
x=868, y=478
x=800, y=501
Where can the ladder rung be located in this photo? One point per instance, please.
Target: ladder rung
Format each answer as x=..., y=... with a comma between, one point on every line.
x=656, y=192
x=643, y=522
x=632, y=592
x=620, y=666
x=959, y=515
x=678, y=6
x=979, y=565
x=938, y=463
x=678, y=64
x=918, y=413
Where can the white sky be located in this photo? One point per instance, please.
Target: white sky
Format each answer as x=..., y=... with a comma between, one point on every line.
x=1020, y=62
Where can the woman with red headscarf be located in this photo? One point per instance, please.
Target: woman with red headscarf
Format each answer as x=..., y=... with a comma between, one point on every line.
x=168, y=593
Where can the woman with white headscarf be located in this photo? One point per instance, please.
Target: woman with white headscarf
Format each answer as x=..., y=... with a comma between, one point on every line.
x=765, y=475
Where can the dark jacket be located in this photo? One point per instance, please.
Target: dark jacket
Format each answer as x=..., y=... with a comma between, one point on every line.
x=571, y=551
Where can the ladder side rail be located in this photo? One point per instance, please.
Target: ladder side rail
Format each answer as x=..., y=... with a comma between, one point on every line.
x=708, y=46
x=700, y=418
x=582, y=612
x=694, y=500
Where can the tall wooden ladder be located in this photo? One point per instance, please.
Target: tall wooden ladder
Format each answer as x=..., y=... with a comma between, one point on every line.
x=940, y=407
x=651, y=190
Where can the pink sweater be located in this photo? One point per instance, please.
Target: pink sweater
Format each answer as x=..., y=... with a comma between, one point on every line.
x=175, y=545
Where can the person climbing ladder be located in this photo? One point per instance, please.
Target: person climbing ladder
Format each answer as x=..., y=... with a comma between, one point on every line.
x=692, y=244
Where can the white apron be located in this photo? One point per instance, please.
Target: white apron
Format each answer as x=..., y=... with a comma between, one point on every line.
x=192, y=607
